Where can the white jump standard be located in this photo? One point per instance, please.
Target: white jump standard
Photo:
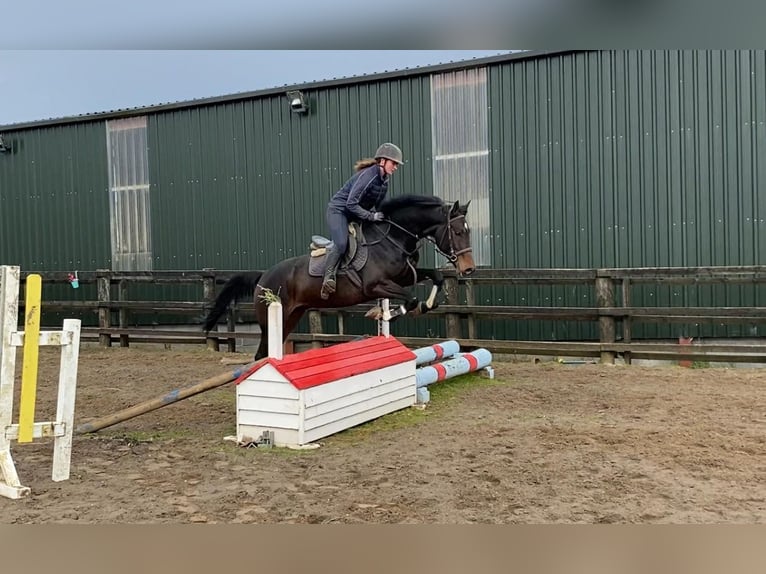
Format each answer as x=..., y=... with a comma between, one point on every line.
x=26, y=430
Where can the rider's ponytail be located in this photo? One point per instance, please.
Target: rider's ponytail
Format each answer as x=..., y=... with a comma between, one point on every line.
x=363, y=163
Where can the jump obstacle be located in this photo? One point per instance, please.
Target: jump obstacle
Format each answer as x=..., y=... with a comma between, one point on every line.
x=30, y=339
x=370, y=386
x=295, y=400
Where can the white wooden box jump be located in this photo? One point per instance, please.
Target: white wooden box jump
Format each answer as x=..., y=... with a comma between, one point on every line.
x=307, y=396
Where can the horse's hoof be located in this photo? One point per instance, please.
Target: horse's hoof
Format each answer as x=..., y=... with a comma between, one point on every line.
x=376, y=313
x=423, y=308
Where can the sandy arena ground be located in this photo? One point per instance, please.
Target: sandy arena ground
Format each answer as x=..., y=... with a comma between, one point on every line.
x=541, y=443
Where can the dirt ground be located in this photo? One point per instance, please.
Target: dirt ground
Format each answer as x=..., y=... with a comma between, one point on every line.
x=542, y=443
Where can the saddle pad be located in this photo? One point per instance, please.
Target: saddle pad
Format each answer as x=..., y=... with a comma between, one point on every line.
x=317, y=264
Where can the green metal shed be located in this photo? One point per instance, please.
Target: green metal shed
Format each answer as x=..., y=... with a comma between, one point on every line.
x=607, y=158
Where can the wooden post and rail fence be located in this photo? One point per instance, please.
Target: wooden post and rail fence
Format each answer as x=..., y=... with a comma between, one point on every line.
x=113, y=311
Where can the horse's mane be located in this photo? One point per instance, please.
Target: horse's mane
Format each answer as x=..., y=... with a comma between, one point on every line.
x=394, y=204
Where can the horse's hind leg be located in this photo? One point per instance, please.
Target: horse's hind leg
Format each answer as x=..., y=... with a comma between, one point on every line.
x=291, y=322
x=262, y=317
x=263, y=346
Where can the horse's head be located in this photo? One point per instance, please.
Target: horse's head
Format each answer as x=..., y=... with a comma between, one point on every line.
x=442, y=223
x=453, y=238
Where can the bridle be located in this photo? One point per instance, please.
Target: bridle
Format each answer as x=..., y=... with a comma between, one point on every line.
x=451, y=256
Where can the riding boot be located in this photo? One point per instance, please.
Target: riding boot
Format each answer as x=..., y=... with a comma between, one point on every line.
x=329, y=283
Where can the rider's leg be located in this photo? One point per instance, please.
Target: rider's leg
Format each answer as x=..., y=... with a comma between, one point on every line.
x=338, y=224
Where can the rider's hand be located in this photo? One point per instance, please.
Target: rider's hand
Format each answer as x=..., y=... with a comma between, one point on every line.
x=378, y=216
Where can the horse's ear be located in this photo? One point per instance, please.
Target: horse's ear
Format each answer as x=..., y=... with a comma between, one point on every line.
x=460, y=209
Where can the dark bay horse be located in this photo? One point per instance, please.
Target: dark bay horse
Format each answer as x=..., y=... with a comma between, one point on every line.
x=392, y=251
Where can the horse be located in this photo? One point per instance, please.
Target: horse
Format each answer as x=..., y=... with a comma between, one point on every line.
x=384, y=262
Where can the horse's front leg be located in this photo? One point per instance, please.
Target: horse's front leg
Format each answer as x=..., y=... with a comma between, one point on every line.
x=390, y=290
x=436, y=277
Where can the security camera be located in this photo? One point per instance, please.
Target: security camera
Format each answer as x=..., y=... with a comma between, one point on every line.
x=297, y=101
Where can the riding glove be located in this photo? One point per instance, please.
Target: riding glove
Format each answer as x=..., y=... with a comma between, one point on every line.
x=378, y=216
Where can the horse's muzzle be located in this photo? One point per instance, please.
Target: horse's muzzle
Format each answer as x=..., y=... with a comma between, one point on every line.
x=465, y=264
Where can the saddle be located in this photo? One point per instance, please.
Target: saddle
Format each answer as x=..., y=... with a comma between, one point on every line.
x=351, y=262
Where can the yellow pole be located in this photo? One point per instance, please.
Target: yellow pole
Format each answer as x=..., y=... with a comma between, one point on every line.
x=31, y=354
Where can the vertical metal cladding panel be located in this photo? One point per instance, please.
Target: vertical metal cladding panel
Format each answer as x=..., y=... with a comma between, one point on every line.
x=54, y=200
x=629, y=158
x=129, y=194
x=461, y=148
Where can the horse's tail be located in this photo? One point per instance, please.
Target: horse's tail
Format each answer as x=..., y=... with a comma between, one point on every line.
x=237, y=287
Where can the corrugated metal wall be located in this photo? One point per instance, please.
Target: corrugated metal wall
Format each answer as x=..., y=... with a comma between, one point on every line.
x=54, y=199
x=243, y=185
x=628, y=158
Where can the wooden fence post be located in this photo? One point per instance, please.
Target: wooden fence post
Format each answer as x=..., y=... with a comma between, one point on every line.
x=452, y=320
x=208, y=295
x=122, y=295
x=103, y=284
x=315, y=327
x=470, y=299
x=627, y=335
x=341, y=322
x=606, y=323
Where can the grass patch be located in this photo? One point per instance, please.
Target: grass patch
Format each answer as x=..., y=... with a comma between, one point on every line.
x=701, y=365
x=443, y=395
x=445, y=392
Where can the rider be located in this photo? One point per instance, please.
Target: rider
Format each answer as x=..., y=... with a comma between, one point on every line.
x=358, y=200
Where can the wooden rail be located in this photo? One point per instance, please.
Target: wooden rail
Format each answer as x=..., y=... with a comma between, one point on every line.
x=111, y=311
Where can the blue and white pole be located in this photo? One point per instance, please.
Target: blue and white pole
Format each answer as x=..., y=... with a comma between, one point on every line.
x=465, y=363
x=436, y=352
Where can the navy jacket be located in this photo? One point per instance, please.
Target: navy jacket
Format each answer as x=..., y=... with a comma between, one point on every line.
x=361, y=194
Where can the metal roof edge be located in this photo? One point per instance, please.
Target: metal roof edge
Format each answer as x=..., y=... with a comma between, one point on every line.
x=349, y=80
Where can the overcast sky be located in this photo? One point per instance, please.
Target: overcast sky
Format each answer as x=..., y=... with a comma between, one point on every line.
x=42, y=84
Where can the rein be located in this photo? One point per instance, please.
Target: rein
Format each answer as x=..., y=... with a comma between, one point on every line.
x=397, y=244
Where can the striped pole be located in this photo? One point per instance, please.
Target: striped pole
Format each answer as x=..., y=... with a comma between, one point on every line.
x=31, y=356
x=465, y=363
x=436, y=352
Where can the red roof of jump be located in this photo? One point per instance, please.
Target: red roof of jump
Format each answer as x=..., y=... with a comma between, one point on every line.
x=320, y=366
